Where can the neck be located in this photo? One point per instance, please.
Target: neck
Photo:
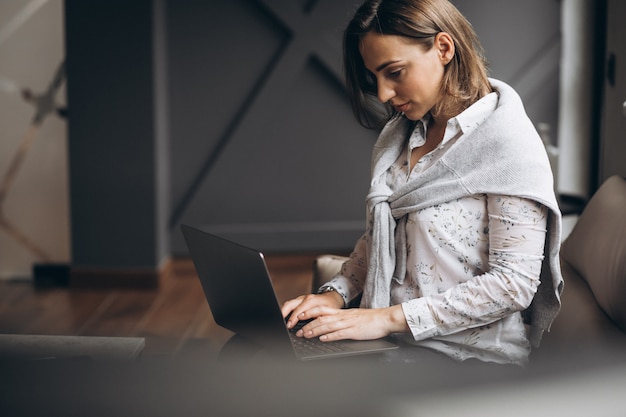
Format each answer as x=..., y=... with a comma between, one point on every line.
x=436, y=130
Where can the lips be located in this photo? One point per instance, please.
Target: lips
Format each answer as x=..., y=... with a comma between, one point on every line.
x=401, y=107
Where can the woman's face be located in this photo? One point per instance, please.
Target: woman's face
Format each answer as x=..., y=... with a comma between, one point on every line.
x=407, y=77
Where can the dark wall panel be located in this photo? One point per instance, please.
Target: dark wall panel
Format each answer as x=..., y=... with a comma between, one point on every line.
x=111, y=133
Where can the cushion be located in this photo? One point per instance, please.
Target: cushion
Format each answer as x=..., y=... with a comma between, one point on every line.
x=581, y=319
x=596, y=248
x=325, y=268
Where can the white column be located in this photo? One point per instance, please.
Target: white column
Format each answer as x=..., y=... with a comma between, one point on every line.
x=575, y=101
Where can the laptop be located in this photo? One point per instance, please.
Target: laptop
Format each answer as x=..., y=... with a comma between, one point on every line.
x=240, y=294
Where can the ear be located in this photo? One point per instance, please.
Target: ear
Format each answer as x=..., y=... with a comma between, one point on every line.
x=445, y=46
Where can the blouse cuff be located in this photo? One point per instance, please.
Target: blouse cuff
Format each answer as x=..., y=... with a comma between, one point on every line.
x=421, y=318
x=344, y=287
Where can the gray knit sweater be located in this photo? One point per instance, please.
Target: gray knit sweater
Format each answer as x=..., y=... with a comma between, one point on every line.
x=504, y=155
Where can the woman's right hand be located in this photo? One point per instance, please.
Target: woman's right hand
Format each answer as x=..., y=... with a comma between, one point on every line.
x=297, y=308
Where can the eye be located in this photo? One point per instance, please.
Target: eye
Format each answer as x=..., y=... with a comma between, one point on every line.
x=394, y=73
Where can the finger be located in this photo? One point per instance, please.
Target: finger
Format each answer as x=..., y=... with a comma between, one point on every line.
x=328, y=332
x=310, y=307
x=318, y=310
x=298, y=306
x=343, y=334
x=328, y=320
x=289, y=305
x=296, y=309
x=355, y=324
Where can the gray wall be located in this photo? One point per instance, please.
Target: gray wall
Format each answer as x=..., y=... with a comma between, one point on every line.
x=263, y=144
x=522, y=40
x=231, y=115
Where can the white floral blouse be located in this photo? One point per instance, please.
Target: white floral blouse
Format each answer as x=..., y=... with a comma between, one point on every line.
x=473, y=264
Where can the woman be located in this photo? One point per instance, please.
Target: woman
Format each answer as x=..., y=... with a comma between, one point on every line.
x=461, y=209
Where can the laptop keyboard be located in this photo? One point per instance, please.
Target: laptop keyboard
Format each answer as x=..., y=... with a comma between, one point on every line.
x=314, y=346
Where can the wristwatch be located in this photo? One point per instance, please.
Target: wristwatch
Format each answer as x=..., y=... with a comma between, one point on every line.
x=329, y=288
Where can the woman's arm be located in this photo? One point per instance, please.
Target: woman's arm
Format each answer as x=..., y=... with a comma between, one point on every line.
x=517, y=230
x=351, y=279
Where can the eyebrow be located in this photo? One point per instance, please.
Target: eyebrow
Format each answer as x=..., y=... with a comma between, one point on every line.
x=385, y=64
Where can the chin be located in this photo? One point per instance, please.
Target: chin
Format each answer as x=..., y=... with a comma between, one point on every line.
x=414, y=116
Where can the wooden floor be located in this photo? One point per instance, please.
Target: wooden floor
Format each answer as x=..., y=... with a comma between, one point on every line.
x=174, y=319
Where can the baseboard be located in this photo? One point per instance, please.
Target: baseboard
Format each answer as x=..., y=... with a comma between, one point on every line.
x=51, y=274
x=106, y=278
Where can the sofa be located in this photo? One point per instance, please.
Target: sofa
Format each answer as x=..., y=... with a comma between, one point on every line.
x=593, y=261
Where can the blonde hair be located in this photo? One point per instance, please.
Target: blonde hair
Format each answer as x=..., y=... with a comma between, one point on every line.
x=465, y=78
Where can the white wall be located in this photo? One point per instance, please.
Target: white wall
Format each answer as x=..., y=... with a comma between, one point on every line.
x=36, y=202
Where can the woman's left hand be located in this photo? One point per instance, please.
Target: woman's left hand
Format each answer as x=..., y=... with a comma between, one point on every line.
x=354, y=323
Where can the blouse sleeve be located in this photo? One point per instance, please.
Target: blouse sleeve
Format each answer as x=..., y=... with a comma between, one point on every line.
x=517, y=230
x=349, y=282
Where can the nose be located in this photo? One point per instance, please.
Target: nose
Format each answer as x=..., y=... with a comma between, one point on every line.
x=385, y=92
